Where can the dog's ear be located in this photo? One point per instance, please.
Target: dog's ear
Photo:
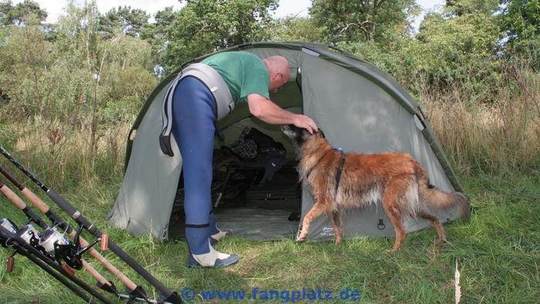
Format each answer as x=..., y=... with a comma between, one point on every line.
x=321, y=133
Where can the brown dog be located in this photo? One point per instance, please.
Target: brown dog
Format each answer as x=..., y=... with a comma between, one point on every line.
x=396, y=179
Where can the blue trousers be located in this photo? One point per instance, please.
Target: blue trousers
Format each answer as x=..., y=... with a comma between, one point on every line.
x=193, y=128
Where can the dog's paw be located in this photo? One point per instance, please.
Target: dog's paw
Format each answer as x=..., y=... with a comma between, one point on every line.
x=301, y=239
x=392, y=251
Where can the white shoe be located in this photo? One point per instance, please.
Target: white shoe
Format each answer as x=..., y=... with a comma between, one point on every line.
x=219, y=235
x=213, y=258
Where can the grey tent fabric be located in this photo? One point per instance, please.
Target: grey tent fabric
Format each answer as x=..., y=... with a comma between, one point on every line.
x=145, y=200
x=359, y=108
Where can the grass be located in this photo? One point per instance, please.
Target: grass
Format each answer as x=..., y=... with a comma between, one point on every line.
x=495, y=137
x=495, y=147
x=498, y=251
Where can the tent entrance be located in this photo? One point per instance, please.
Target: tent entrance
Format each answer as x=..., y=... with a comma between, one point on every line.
x=257, y=197
x=250, y=208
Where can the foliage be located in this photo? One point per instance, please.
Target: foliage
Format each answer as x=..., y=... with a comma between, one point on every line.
x=24, y=58
x=460, y=50
x=81, y=79
x=70, y=91
x=123, y=19
x=296, y=29
x=521, y=25
x=157, y=33
x=203, y=26
x=456, y=48
x=26, y=12
x=465, y=7
x=368, y=20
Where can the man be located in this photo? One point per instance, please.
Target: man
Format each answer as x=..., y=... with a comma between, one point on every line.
x=204, y=93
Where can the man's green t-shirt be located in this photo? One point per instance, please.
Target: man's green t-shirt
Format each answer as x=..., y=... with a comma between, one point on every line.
x=244, y=73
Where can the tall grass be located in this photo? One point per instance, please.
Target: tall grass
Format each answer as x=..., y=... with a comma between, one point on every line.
x=495, y=137
x=64, y=156
x=492, y=138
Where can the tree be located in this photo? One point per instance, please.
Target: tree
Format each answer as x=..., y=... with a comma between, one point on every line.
x=78, y=81
x=123, y=19
x=361, y=20
x=25, y=12
x=25, y=58
x=157, y=33
x=296, y=29
x=203, y=26
x=521, y=25
x=463, y=7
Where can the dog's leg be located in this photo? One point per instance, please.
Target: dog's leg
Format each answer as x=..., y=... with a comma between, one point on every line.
x=335, y=217
x=436, y=224
x=395, y=189
x=314, y=213
x=395, y=217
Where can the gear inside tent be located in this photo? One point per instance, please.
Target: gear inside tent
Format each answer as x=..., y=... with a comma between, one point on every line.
x=255, y=189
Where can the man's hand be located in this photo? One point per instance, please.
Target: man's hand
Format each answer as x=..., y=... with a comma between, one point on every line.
x=269, y=112
x=305, y=122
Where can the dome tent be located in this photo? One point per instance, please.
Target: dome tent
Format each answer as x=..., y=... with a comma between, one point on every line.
x=359, y=107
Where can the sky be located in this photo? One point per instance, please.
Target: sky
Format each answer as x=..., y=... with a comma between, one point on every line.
x=55, y=8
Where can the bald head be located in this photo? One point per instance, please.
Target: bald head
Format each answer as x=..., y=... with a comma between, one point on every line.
x=278, y=69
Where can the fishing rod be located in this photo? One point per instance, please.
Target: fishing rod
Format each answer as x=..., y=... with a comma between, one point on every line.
x=29, y=232
x=44, y=266
x=169, y=296
x=135, y=291
x=10, y=238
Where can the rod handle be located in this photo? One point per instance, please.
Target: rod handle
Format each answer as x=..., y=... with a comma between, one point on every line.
x=12, y=197
x=35, y=200
x=94, y=273
x=110, y=267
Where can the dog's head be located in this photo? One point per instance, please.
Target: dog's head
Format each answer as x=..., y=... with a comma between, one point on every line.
x=299, y=135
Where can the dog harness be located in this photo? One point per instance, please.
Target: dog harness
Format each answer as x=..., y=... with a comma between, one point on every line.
x=339, y=169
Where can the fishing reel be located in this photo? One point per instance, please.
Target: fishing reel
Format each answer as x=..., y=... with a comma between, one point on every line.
x=10, y=227
x=29, y=235
x=51, y=242
x=61, y=248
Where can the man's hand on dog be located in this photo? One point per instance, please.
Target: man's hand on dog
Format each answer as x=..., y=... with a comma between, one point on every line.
x=305, y=122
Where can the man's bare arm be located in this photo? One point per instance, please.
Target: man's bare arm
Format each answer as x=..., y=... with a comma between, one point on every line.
x=267, y=111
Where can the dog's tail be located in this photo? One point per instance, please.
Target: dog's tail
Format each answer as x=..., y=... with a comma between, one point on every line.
x=435, y=199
